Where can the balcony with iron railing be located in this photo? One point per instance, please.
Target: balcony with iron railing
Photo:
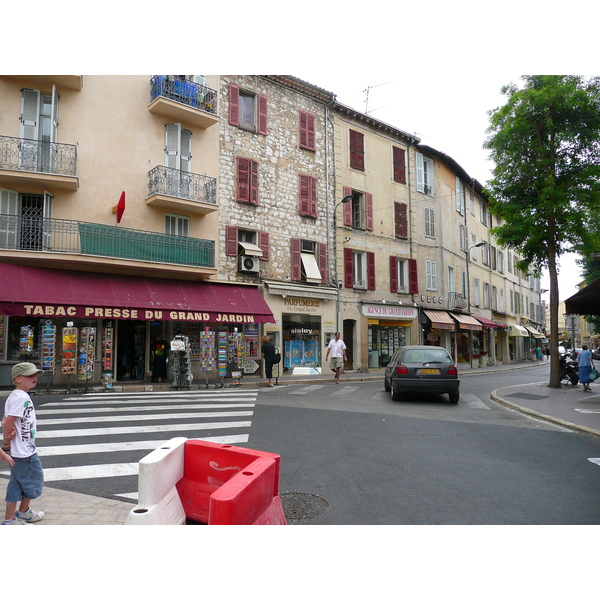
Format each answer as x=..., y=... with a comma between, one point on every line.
x=34, y=161
x=184, y=100
x=31, y=234
x=171, y=188
x=456, y=301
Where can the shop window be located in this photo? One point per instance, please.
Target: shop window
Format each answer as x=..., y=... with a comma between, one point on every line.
x=302, y=340
x=359, y=212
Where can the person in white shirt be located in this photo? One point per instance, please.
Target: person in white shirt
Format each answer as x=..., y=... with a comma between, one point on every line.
x=337, y=348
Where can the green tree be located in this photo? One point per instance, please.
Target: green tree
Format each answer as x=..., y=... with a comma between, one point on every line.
x=545, y=144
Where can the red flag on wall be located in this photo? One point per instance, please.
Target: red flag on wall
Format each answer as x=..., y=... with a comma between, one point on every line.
x=121, y=207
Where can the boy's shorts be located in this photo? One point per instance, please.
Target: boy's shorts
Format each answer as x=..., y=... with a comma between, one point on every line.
x=26, y=479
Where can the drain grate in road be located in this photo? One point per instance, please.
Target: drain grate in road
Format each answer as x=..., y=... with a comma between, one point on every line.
x=297, y=506
x=525, y=396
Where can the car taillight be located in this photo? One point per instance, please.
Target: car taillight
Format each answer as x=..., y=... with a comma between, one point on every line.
x=452, y=370
x=401, y=370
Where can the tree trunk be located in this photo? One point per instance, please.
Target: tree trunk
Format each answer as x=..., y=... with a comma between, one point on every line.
x=554, y=358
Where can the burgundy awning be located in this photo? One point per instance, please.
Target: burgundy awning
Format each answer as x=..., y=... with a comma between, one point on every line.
x=490, y=324
x=586, y=301
x=47, y=293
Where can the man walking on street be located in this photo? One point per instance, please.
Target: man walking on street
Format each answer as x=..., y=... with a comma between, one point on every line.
x=337, y=348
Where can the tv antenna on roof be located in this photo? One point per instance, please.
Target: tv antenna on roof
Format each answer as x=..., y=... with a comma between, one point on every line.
x=366, y=92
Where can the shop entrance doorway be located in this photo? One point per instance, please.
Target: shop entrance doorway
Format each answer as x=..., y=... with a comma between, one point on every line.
x=131, y=349
x=348, y=338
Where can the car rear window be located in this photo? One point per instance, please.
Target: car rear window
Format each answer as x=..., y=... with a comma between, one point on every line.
x=423, y=356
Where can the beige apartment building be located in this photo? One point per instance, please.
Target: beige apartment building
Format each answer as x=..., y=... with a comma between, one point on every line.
x=109, y=228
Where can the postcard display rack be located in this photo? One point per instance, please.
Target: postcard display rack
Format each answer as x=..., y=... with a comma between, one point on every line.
x=207, y=352
x=87, y=353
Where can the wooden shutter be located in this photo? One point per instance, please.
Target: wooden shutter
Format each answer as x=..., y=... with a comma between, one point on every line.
x=369, y=211
x=400, y=220
x=296, y=259
x=30, y=113
x=420, y=173
x=253, y=182
x=304, y=181
x=323, y=262
x=262, y=114
x=185, y=155
x=393, y=274
x=413, y=284
x=347, y=208
x=348, y=268
x=172, y=148
x=399, y=164
x=243, y=179
x=307, y=130
x=234, y=104
x=263, y=243
x=357, y=150
x=371, y=270
x=231, y=241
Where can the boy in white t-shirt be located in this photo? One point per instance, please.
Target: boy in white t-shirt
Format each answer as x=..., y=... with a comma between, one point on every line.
x=19, y=426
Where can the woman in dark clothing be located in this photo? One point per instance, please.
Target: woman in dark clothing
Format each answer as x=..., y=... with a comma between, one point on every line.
x=159, y=369
x=268, y=354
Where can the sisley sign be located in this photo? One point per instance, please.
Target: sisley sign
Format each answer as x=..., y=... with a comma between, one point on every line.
x=389, y=312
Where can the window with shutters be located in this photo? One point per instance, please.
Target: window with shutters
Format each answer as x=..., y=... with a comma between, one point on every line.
x=246, y=241
x=399, y=275
x=358, y=212
x=401, y=220
x=177, y=225
x=307, y=130
x=424, y=174
x=463, y=237
x=460, y=197
x=178, y=160
x=247, y=181
x=359, y=269
x=476, y=292
x=308, y=196
x=429, y=222
x=247, y=110
x=357, y=150
x=399, y=164
x=431, y=275
x=309, y=261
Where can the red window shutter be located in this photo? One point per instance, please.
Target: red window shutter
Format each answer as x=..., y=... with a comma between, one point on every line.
x=231, y=241
x=234, y=104
x=393, y=274
x=296, y=259
x=399, y=165
x=304, y=195
x=263, y=243
x=307, y=130
x=323, y=262
x=253, y=182
x=401, y=220
x=313, y=198
x=243, y=179
x=357, y=150
x=348, y=268
x=347, y=208
x=371, y=270
x=369, y=211
x=262, y=114
x=413, y=285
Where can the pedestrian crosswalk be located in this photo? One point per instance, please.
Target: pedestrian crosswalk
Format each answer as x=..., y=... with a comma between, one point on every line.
x=95, y=441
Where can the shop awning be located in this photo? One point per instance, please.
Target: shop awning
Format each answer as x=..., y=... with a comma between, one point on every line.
x=534, y=332
x=586, y=301
x=47, y=293
x=489, y=324
x=440, y=319
x=517, y=331
x=467, y=322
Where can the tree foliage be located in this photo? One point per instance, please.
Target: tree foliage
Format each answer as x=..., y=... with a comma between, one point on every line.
x=545, y=144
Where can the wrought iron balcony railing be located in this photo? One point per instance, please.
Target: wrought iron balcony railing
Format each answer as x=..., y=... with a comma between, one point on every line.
x=18, y=154
x=181, y=184
x=456, y=301
x=184, y=91
x=78, y=237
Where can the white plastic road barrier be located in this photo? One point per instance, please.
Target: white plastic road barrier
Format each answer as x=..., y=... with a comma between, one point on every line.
x=158, y=499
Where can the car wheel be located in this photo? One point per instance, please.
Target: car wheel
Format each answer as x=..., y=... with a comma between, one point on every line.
x=454, y=398
x=386, y=385
x=396, y=396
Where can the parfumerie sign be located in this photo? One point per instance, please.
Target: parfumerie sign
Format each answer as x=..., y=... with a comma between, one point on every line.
x=91, y=312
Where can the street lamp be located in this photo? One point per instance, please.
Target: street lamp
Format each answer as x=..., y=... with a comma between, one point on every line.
x=344, y=200
x=468, y=259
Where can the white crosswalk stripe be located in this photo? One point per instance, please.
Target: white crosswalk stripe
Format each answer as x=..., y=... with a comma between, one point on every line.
x=99, y=436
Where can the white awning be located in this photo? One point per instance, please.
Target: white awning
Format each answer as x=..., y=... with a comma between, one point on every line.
x=517, y=331
x=311, y=268
x=251, y=249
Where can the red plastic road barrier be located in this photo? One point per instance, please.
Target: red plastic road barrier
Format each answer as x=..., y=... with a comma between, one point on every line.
x=228, y=485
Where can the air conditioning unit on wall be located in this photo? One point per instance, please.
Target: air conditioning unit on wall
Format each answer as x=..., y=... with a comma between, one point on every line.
x=248, y=264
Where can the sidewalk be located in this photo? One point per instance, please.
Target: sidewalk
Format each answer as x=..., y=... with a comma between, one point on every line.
x=569, y=406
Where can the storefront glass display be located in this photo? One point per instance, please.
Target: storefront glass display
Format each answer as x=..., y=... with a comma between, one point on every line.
x=385, y=337
x=302, y=341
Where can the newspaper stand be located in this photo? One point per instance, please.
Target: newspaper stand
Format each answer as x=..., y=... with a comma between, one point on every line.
x=180, y=362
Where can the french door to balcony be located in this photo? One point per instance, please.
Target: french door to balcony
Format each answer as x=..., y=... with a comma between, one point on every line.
x=178, y=160
x=25, y=221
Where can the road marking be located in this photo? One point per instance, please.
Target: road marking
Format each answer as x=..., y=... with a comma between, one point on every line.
x=344, y=391
x=113, y=409
x=472, y=401
x=306, y=390
x=596, y=461
x=587, y=411
x=91, y=472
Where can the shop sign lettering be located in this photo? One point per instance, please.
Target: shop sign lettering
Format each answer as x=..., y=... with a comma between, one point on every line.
x=90, y=312
x=377, y=310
